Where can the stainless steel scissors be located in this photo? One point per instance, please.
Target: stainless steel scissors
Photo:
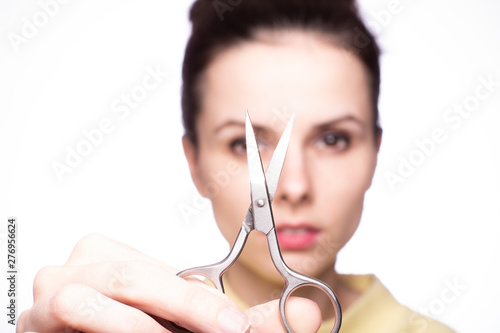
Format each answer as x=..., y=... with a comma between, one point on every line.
x=260, y=217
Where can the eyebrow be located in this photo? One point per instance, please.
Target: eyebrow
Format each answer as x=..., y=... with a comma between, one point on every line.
x=235, y=123
x=346, y=118
x=320, y=126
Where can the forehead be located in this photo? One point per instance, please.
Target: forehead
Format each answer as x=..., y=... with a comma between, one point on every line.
x=289, y=71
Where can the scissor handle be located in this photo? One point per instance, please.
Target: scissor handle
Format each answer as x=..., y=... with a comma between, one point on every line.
x=213, y=272
x=295, y=280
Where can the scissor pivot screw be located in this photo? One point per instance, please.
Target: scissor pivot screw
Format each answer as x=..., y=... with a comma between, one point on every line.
x=261, y=203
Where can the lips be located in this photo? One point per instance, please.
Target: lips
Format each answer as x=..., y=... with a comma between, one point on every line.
x=300, y=237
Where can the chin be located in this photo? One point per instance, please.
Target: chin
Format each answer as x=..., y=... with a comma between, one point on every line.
x=307, y=264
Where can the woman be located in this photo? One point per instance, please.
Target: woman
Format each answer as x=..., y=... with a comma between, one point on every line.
x=315, y=59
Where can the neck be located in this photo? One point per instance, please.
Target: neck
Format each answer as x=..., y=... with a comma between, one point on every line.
x=254, y=289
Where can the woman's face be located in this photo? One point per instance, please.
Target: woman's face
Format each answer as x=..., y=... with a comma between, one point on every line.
x=331, y=156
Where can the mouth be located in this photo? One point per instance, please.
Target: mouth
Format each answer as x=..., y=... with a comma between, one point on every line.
x=296, y=237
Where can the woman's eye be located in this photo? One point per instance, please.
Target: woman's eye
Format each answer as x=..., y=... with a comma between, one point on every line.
x=238, y=146
x=334, y=140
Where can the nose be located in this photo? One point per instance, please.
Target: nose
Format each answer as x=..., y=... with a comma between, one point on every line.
x=294, y=186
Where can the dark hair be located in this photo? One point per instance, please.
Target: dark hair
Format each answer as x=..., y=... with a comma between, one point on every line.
x=219, y=24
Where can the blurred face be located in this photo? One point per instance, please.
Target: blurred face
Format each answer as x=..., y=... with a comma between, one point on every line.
x=331, y=156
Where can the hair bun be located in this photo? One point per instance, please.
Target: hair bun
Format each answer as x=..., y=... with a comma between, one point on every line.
x=217, y=24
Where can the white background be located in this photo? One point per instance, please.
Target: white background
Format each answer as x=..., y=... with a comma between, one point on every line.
x=442, y=224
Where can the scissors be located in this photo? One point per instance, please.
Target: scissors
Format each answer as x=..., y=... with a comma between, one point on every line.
x=260, y=217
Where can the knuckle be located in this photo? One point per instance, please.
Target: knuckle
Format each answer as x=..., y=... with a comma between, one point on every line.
x=85, y=246
x=22, y=321
x=43, y=279
x=90, y=241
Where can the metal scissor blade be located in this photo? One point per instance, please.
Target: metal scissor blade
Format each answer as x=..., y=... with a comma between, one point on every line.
x=262, y=191
x=275, y=166
x=255, y=169
x=261, y=203
x=273, y=171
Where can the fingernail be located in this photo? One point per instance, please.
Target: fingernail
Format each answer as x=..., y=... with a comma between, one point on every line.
x=231, y=321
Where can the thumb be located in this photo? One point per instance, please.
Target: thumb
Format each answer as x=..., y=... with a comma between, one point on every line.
x=302, y=314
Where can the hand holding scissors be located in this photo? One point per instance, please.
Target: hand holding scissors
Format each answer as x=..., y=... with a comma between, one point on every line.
x=260, y=217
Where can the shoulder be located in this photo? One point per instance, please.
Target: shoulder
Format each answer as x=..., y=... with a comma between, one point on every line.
x=377, y=310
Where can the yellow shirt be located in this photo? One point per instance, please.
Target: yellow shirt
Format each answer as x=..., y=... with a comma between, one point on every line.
x=375, y=311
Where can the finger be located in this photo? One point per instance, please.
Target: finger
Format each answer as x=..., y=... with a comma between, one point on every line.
x=80, y=308
x=156, y=291
x=21, y=325
x=303, y=316
x=93, y=248
x=97, y=248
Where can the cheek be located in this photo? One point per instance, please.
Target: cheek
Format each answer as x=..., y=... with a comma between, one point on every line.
x=225, y=182
x=348, y=176
x=341, y=189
